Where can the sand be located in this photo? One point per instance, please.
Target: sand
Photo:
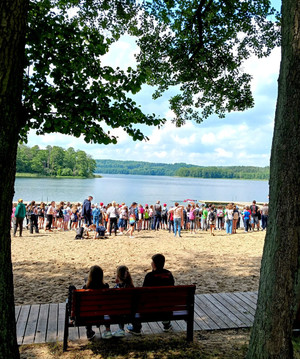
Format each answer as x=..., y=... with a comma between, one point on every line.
x=45, y=264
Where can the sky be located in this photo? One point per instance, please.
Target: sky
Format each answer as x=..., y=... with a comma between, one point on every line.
x=239, y=139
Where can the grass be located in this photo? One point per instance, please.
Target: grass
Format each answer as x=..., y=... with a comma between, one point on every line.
x=218, y=345
x=226, y=344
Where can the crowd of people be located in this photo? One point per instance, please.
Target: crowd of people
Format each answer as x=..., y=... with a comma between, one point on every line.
x=159, y=276
x=121, y=219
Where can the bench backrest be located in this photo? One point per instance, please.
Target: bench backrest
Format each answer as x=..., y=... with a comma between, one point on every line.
x=90, y=305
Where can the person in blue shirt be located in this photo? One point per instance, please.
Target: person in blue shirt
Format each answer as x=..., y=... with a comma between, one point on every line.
x=246, y=217
x=96, y=216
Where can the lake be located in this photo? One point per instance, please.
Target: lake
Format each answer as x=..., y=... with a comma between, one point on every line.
x=142, y=189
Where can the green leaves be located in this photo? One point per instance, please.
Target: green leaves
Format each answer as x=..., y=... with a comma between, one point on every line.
x=197, y=46
x=200, y=46
x=66, y=87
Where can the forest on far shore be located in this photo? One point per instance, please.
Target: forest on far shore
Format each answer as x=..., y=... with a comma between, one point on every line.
x=58, y=162
x=181, y=170
x=54, y=161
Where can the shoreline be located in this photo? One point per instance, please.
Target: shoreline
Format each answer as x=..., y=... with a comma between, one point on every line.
x=37, y=175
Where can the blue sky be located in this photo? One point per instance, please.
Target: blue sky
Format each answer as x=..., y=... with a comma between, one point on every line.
x=242, y=138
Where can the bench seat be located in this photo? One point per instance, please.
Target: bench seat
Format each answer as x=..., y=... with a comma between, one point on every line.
x=125, y=305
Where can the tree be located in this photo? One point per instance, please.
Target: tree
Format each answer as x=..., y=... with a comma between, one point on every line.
x=279, y=289
x=13, y=15
x=70, y=159
x=56, y=159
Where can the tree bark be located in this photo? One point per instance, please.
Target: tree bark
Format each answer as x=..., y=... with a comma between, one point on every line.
x=279, y=288
x=13, y=14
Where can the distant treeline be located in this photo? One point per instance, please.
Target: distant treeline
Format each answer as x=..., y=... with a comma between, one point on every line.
x=181, y=170
x=55, y=161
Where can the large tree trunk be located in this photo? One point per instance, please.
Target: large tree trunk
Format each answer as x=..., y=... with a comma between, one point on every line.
x=279, y=292
x=13, y=14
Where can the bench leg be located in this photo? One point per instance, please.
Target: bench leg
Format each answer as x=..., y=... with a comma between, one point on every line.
x=190, y=331
x=66, y=330
x=190, y=326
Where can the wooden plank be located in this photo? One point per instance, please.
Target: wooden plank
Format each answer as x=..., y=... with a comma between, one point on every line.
x=203, y=320
x=155, y=328
x=176, y=327
x=182, y=324
x=245, y=299
x=227, y=315
x=82, y=332
x=52, y=323
x=211, y=314
x=17, y=312
x=73, y=333
x=22, y=322
x=61, y=321
x=252, y=296
x=233, y=308
x=31, y=324
x=146, y=329
x=247, y=310
x=41, y=328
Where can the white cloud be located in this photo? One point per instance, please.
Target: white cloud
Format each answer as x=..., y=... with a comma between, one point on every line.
x=220, y=152
x=208, y=139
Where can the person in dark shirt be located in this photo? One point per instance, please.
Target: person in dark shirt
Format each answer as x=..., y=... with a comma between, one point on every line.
x=87, y=211
x=159, y=277
x=95, y=281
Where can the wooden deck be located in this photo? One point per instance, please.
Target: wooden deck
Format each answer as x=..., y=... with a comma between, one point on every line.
x=43, y=323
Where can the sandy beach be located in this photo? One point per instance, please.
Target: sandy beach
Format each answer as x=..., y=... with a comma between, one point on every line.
x=45, y=264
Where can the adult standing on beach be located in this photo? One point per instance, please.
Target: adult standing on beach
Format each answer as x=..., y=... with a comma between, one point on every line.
x=264, y=216
x=33, y=218
x=204, y=218
x=87, y=210
x=50, y=214
x=157, y=215
x=246, y=217
x=20, y=214
x=113, y=214
x=229, y=218
x=254, y=215
x=212, y=220
x=177, y=217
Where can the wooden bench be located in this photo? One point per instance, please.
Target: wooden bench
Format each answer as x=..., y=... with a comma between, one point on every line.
x=125, y=305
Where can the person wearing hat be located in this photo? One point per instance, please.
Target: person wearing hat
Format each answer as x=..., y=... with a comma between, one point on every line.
x=20, y=214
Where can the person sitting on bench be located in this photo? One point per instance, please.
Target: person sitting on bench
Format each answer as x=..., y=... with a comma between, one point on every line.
x=95, y=281
x=157, y=278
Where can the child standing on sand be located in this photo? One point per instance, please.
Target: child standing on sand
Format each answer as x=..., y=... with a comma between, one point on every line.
x=123, y=280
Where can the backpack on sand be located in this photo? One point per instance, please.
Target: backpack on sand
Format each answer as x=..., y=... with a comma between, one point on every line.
x=79, y=233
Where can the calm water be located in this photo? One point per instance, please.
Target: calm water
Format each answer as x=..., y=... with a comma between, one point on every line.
x=142, y=189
